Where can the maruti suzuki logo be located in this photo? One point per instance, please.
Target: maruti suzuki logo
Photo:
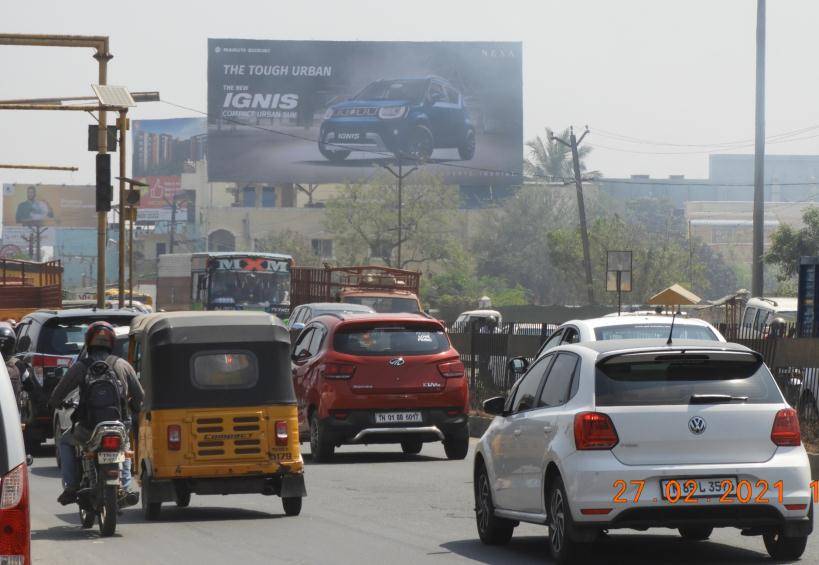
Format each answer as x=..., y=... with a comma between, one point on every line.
x=697, y=425
x=397, y=362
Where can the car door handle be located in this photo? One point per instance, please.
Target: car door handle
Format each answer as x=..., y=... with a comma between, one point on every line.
x=548, y=428
x=517, y=432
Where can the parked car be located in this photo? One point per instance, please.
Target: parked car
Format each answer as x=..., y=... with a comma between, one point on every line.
x=405, y=116
x=62, y=415
x=305, y=312
x=760, y=312
x=629, y=327
x=15, y=539
x=379, y=378
x=49, y=341
x=641, y=434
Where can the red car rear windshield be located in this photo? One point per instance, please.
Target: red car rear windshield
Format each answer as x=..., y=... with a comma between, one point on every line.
x=391, y=339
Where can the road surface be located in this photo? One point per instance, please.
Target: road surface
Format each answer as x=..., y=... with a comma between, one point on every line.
x=372, y=505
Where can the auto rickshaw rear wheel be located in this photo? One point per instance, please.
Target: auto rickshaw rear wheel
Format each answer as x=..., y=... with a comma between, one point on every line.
x=183, y=497
x=292, y=505
x=150, y=510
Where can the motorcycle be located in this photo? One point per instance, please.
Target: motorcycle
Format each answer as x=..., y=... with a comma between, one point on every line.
x=100, y=489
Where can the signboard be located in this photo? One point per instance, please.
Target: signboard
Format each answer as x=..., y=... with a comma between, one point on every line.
x=163, y=147
x=160, y=192
x=49, y=205
x=330, y=111
x=254, y=264
x=618, y=271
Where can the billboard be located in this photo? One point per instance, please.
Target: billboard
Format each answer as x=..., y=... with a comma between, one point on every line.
x=329, y=111
x=162, y=147
x=49, y=205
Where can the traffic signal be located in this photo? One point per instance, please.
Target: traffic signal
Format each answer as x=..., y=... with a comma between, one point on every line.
x=105, y=192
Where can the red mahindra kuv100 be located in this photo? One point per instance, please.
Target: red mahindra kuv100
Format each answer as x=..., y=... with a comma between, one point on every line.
x=379, y=378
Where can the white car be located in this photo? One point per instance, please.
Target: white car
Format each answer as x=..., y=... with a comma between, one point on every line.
x=629, y=327
x=640, y=434
x=15, y=539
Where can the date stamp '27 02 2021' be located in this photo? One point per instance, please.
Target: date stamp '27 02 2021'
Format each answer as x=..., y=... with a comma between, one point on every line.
x=726, y=491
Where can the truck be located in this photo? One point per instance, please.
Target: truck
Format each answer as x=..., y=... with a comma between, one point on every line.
x=26, y=286
x=224, y=281
x=384, y=289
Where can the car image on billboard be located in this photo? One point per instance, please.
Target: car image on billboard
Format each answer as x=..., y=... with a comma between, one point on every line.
x=325, y=111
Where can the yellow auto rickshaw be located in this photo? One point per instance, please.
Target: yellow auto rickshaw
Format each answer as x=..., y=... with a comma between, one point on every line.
x=220, y=411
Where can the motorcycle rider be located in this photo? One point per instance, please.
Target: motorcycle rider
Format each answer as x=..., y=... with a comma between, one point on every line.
x=99, y=342
x=8, y=340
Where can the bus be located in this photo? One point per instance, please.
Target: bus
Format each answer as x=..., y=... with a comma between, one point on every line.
x=225, y=281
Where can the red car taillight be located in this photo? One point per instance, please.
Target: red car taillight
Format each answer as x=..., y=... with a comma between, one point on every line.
x=593, y=430
x=174, y=437
x=785, y=430
x=282, y=434
x=338, y=371
x=15, y=528
x=451, y=369
x=110, y=443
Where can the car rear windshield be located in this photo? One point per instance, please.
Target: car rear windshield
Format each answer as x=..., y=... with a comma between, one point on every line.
x=676, y=381
x=654, y=331
x=225, y=370
x=386, y=304
x=391, y=339
x=66, y=336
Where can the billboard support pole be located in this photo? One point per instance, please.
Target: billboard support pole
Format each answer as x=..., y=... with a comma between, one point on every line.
x=121, y=243
x=400, y=175
x=131, y=258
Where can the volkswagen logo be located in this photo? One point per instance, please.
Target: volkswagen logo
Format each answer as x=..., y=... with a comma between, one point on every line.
x=397, y=362
x=697, y=425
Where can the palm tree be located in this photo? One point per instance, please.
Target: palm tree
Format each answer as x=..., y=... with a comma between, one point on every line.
x=551, y=158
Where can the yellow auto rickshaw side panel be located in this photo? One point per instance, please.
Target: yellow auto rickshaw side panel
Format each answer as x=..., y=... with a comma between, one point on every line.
x=218, y=442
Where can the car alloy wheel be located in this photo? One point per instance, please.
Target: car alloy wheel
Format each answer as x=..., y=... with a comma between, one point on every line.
x=557, y=521
x=421, y=144
x=484, y=505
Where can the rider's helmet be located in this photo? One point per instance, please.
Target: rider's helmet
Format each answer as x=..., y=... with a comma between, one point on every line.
x=7, y=341
x=778, y=327
x=100, y=334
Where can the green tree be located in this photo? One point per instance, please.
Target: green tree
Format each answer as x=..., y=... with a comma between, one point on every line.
x=290, y=242
x=363, y=219
x=459, y=285
x=789, y=244
x=552, y=159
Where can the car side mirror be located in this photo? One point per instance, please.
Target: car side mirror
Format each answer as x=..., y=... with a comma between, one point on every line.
x=494, y=405
x=518, y=365
x=301, y=355
x=297, y=326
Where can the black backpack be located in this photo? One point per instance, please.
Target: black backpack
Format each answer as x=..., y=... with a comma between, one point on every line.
x=102, y=394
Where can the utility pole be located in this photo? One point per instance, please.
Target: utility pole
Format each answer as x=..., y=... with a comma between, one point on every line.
x=102, y=55
x=581, y=207
x=757, y=273
x=122, y=123
x=400, y=175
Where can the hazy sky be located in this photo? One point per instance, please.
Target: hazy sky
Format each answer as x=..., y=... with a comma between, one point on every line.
x=670, y=71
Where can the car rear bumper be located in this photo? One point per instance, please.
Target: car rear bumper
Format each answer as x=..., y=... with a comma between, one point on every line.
x=595, y=481
x=359, y=426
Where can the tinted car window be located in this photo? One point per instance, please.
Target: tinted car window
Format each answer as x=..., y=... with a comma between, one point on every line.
x=526, y=394
x=556, y=391
x=412, y=89
x=655, y=331
x=675, y=382
x=303, y=343
x=225, y=370
x=62, y=338
x=391, y=339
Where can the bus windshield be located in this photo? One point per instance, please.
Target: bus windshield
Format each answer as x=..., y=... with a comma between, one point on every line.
x=249, y=288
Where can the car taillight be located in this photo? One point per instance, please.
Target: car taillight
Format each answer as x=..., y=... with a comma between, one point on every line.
x=15, y=529
x=451, y=369
x=785, y=430
x=282, y=434
x=174, y=437
x=110, y=443
x=593, y=430
x=338, y=371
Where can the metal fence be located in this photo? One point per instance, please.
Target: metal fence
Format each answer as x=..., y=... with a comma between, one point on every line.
x=794, y=362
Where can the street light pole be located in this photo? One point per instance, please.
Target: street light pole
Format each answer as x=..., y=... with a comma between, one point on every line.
x=757, y=272
x=122, y=122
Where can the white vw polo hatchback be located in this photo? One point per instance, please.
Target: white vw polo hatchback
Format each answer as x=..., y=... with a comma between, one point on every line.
x=691, y=435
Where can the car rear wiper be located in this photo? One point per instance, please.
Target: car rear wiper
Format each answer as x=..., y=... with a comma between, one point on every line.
x=716, y=398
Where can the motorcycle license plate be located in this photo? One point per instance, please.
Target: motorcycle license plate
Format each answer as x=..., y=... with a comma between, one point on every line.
x=110, y=457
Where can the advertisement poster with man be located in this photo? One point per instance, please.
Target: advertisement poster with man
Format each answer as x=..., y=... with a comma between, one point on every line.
x=329, y=111
x=59, y=206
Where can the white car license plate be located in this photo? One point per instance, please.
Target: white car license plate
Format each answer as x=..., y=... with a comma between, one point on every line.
x=398, y=418
x=673, y=489
x=110, y=457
